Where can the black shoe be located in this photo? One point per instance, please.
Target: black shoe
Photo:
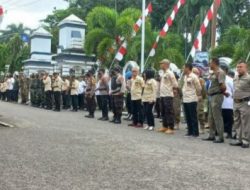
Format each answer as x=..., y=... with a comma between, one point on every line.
x=236, y=143
x=117, y=121
x=219, y=141
x=89, y=116
x=245, y=146
x=209, y=139
x=187, y=135
x=228, y=136
x=112, y=121
x=101, y=118
x=105, y=119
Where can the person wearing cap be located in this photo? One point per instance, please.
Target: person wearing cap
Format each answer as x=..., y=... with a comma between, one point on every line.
x=74, y=84
x=201, y=102
x=137, y=85
x=216, y=91
x=90, y=94
x=48, y=91
x=57, y=88
x=167, y=85
x=242, y=106
x=103, y=89
x=118, y=90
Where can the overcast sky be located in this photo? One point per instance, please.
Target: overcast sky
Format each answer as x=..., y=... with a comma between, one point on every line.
x=28, y=12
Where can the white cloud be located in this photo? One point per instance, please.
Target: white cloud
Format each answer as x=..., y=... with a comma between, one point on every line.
x=29, y=12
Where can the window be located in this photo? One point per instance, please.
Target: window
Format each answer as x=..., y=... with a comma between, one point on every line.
x=76, y=34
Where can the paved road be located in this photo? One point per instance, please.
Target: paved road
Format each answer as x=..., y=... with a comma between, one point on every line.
x=65, y=151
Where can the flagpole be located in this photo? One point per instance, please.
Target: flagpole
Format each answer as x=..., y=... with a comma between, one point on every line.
x=143, y=35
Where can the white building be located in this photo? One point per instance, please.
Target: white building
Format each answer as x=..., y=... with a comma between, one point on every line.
x=70, y=57
x=40, y=53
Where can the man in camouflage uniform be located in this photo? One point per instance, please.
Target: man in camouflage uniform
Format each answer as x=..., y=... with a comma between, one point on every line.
x=24, y=88
x=32, y=89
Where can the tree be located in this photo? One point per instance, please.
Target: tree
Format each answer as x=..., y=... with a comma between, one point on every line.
x=105, y=27
x=235, y=43
x=12, y=30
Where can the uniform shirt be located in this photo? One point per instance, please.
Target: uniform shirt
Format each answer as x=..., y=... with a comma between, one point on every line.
x=91, y=86
x=47, y=84
x=57, y=84
x=120, y=81
x=149, y=91
x=10, y=83
x=191, y=88
x=74, y=87
x=81, y=88
x=65, y=85
x=168, y=82
x=103, y=86
x=217, y=78
x=228, y=101
x=137, y=85
x=242, y=86
x=4, y=87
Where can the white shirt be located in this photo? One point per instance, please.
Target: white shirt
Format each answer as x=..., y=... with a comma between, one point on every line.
x=97, y=86
x=10, y=83
x=81, y=88
x=228, y=101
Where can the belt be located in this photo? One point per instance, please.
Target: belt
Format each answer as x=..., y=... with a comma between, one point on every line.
x=216, y=93
x=242, y=100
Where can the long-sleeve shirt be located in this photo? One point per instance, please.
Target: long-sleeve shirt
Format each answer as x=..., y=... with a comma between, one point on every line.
x=191, y=88
x=150, y=91
x=168, y=83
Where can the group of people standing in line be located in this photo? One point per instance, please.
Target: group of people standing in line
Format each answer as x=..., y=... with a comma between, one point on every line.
x=226, y=98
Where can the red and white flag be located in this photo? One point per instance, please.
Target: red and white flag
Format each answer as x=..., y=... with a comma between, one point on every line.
x=123, y=49
x=197, y=46
x=1, y=14
x=166, y=27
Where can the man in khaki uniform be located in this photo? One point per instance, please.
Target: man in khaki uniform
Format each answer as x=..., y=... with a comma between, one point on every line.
x=167, y=85
x=137, y=84
x=65, y=93
x=242, y=106
x=48, y=91
x=57, y=88
x=216, y=92
x=74, y=84
x=90, y=94
x=191, y=92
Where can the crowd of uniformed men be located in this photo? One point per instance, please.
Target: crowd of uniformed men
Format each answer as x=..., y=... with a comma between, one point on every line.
x=222, y=98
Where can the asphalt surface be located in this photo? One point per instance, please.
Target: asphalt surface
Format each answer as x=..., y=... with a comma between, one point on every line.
x=64, y=151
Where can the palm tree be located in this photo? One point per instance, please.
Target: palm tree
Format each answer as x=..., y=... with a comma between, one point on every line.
x=13, y=29
x=105, y=27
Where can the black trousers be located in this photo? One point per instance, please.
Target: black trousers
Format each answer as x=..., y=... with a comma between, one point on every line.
x=129, y=103
x=148, y=112
x=15, y=95
x=158, y=107
x=167, y=110
x=104, y=105
x=48, y=99
x=9, y=95
x=91, y=104
x=66, y=99
x=81, y=101
x=191, y=118
x=57, y=97
x=137, y=112
x=74, y=100
x=99, y=102
x=4, y=96
x=228, y=119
